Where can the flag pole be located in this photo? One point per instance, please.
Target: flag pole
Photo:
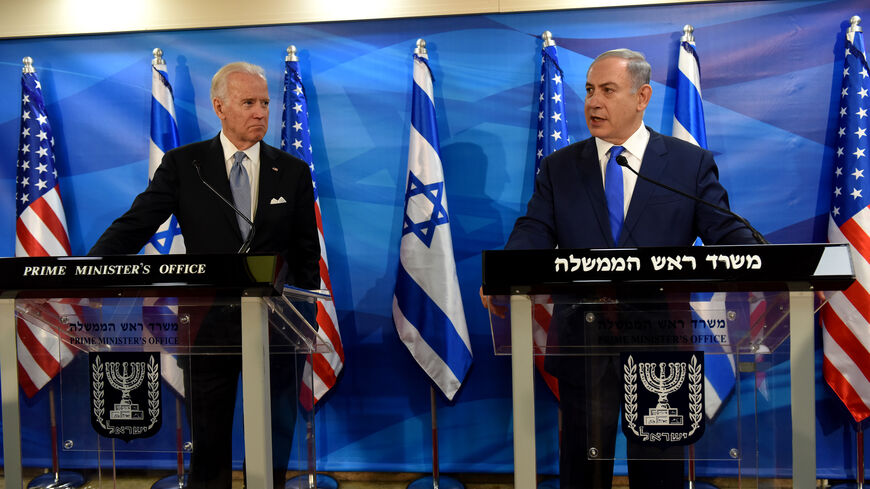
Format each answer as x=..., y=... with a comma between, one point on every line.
x=55, y=479
x=689, y=36
x=859, y=437
x=178, y=480
x=552, y=123
x=436, y=481
x=434, y=409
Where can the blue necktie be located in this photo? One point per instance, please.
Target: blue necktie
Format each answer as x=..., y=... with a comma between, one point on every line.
x=241, y=187
x=613, y=192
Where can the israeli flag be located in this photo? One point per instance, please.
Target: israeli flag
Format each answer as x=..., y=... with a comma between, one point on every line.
x=720, y=374
x=427, y=305
x=164, y=136
x=167, y=239
x=689, y=109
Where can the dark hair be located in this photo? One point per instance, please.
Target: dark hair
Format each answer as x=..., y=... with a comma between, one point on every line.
x=638, y=67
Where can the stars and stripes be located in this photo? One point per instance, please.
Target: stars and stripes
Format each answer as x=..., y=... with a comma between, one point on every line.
x=846, y=316
x=720, y=375
x=427, y=304
x=164, y=136
x=551, y=134
x=40, y=230
x=296, y=140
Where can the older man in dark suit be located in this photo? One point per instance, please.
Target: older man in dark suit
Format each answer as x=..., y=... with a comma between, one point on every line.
x=584, y=199
x=275, y=191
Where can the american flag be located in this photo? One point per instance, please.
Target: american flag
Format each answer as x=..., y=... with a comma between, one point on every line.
x=720, y=374
x=40, y=230
x=427, y=303
x=846, y=317
x=296, y=140
x=552, y=134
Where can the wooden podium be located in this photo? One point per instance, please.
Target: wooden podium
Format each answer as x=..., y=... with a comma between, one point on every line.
x=789, y=276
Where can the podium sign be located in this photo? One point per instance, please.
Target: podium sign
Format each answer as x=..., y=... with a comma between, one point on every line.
x=654, y=337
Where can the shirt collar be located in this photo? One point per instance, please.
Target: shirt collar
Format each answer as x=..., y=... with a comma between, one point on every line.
x=635, y=145
x=230, y=149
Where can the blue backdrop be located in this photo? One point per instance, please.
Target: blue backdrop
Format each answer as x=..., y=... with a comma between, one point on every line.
x=771, y=73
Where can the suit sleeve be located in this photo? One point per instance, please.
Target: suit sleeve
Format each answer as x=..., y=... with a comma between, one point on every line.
x=537, y=229
x=304, y=252
x=130, y=232
x=713, y=226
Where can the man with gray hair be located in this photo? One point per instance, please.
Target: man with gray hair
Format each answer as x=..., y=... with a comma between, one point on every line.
x=584, y=199
x=273, y=190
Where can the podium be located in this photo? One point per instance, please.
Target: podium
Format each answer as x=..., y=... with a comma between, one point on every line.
x=749, y=308
x=133, y=325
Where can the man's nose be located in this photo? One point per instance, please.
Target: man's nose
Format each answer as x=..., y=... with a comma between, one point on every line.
x=592, y=100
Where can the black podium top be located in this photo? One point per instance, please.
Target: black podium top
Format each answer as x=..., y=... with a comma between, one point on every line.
x=663, y=269
x=142, y=275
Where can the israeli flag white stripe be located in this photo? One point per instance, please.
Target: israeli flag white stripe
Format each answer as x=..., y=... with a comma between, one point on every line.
x=681, y=132
x=159, y=91
x=423, y=77
x=425, y=356
x=427, y=304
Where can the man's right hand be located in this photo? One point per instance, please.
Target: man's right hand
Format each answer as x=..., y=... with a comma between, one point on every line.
x=488, y=302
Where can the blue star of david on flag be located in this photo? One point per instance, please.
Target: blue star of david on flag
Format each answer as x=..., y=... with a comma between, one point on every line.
x=433, y=192
x=165, y=236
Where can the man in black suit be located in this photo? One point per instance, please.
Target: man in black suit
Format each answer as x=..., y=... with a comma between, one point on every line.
x=569, y=209
x=275, y=190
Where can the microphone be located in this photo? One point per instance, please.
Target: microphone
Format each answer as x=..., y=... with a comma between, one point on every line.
x=623, y=162
x=246, y=246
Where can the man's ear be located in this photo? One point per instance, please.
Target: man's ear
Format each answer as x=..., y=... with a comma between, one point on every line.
x=218, y=108
x=644, y=94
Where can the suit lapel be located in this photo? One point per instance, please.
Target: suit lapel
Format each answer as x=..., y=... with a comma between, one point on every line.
x=269, y=178
x=214, y=171
x=590, y=179
x=652, y=166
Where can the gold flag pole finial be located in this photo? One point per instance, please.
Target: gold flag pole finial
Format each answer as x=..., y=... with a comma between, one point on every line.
x=547, y=36
x=855, y=24
x=291, y=54
x=28, y=65
x=688, y=34
x=158, y=57
x=420, y=50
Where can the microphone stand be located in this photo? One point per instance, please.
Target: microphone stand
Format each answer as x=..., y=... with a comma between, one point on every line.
x=246, y=246
x=623, y=162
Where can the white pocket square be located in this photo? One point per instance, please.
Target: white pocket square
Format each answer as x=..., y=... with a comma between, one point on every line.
x=279, y=200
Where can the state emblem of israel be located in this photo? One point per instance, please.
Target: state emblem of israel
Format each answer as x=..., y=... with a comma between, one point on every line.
x=663, y=397
x=125, y=394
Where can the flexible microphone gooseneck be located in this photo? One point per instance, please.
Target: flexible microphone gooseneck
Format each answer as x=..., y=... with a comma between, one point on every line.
x=246, y=246
x=623, y=162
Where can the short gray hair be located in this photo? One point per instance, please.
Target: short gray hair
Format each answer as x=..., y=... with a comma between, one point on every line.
x=219, y=80
x=638, y=67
